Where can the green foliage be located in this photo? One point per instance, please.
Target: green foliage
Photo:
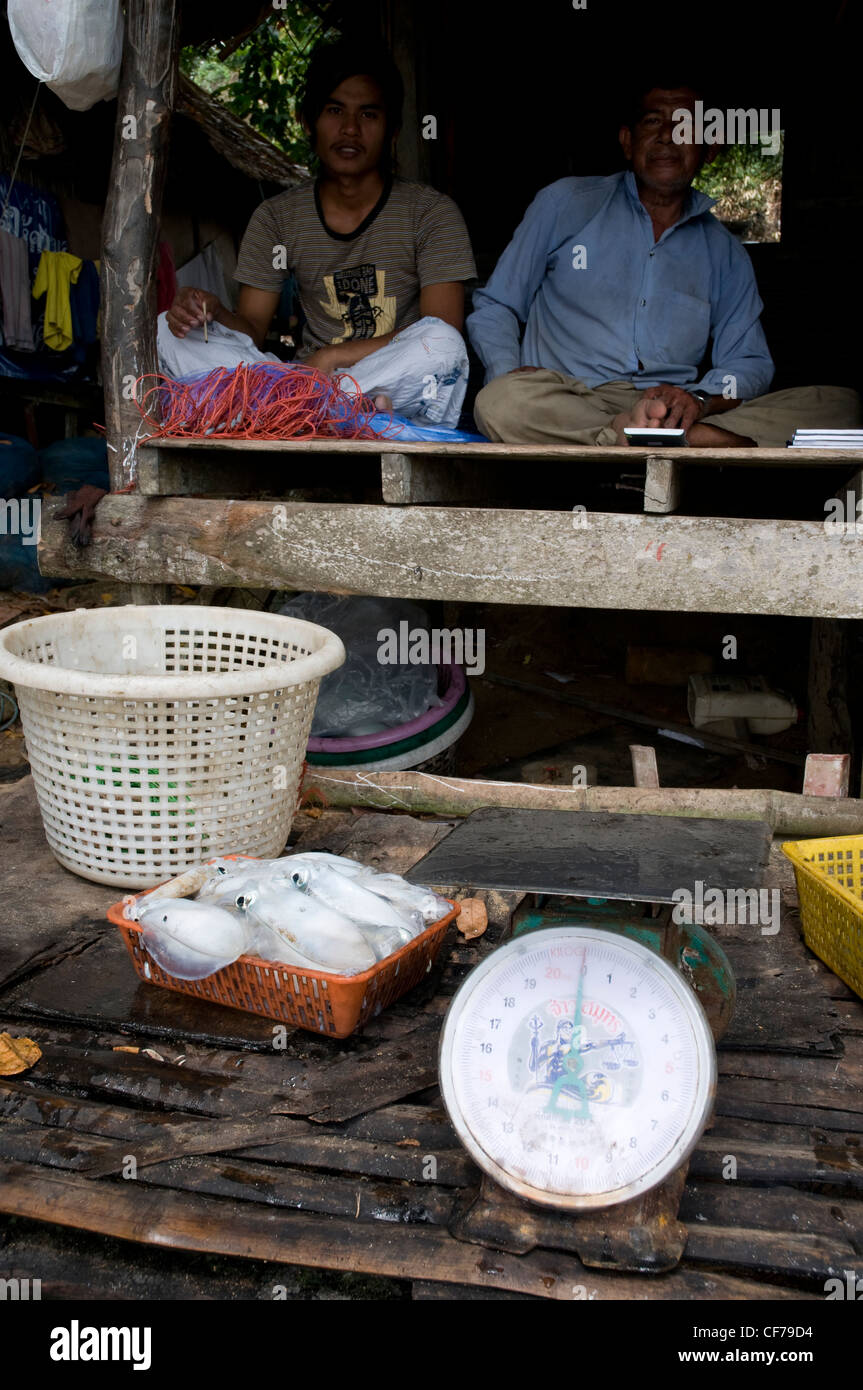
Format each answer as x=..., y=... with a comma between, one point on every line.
x=261, y=82
x=747, y=184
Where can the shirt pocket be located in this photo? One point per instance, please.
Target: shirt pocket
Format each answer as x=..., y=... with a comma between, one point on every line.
x=686, y=322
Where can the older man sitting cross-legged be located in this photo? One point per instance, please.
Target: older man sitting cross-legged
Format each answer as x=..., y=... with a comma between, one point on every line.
x=621, y=283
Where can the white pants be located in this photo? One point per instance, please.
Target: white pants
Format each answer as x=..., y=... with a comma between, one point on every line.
x=423, y=370
x=225, y=347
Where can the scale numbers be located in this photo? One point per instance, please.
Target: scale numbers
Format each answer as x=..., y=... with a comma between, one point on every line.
x=577, y=1067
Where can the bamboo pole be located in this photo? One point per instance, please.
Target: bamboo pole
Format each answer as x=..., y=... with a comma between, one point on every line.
x=419, y=792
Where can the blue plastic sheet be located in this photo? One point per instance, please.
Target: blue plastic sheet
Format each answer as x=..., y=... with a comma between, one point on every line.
x=70, y=463
x=396, y=427
x=19, y=466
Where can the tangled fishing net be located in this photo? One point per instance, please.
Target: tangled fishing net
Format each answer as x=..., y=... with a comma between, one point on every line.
x=265, y=400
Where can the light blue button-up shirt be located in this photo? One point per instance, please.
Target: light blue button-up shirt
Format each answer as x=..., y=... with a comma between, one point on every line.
x=602, y=301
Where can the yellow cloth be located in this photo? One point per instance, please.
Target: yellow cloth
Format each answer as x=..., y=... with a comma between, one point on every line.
x=57, y=271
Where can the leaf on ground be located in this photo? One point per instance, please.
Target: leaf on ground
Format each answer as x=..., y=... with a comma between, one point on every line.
x=473, y=918
x=17, y=1054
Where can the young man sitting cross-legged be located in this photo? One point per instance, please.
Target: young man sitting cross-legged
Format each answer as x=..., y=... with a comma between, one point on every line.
x=380, y=262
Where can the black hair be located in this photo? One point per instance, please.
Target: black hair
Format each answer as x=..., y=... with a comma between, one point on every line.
x=332, y=63
x=633, y=108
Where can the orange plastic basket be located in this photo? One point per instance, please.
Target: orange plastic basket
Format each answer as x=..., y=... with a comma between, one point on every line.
x=316, y=1000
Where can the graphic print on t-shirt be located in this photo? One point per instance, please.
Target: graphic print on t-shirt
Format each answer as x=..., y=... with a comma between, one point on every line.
x=357, y=300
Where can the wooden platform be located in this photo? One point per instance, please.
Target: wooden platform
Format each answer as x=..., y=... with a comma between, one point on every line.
x=439, y=522
x=331, y=1156
x=425, y=473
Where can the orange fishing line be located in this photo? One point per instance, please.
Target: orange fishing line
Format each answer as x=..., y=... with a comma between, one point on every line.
x=262, y=401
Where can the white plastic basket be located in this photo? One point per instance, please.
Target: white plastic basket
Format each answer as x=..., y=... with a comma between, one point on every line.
x=161, y=736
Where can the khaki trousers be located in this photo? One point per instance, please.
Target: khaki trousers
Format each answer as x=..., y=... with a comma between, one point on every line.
x=546, y=407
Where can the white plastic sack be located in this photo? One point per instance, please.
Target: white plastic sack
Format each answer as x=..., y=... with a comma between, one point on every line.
x=74, y=46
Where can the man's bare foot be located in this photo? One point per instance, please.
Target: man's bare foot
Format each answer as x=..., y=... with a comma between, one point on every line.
x=649, y=414
x=645, y=414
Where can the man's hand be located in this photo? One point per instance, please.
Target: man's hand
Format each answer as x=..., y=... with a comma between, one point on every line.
x=337, y=357
x=325, y=359
x=682, y=410
x=190, y=308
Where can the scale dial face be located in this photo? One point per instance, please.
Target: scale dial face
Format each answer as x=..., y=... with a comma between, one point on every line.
x=577, y=1066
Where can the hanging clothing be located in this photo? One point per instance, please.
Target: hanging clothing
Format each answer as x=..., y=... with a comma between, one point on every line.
x=15, y=293
x=84, y=303
x=58, y=271
x=33, y=215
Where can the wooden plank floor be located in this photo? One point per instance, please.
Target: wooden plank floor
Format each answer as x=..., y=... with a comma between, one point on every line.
x=210, y=1160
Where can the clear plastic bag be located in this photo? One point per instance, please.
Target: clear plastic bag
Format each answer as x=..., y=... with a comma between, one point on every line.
x=74, y=46
x=365, y=695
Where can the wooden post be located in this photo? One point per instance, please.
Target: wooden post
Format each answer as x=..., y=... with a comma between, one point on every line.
x=661, y=484
x=829, y=724
x=644, y=770
x=827, y=774
x=830, y=728
x=407, y=50
x=407, y=479
x=130, y=229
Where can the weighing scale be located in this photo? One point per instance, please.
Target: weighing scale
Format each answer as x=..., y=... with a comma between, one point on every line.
x=577, y=1060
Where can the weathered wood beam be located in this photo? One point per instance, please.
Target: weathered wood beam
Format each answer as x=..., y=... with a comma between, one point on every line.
x=418, y=792
x=676, y=564
x=662, y=484
x=394, y=1249
x=130, y=229
x=574, y=453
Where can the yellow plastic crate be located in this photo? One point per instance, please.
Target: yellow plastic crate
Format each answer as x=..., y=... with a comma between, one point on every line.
x=829, y=877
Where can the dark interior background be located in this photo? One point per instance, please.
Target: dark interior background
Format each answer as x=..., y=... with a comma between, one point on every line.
x=527, y=94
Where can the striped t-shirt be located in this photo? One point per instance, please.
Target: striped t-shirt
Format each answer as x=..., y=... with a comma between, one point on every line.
x=359, y=284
